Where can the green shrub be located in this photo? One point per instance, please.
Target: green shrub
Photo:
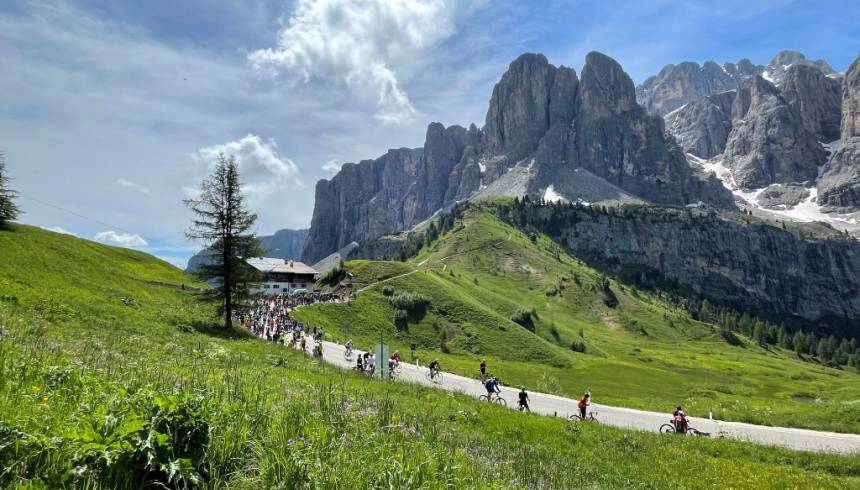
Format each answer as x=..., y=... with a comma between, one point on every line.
x=412, y=303
x=577, y=346
x=524, y=319
x=387, y=291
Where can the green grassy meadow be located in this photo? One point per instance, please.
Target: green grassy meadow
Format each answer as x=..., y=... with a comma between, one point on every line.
x=113, y=377
x=642, y=353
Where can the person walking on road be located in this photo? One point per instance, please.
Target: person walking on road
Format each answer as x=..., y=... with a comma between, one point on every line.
x=524, y=400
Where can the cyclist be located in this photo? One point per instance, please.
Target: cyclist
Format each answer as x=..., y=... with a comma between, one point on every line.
x=434, y=368
x=679, y=418
x=524, y=399
x=393, y=362
x=583, y=402
x=483, y=369
x=348, y=346
x=492, y=386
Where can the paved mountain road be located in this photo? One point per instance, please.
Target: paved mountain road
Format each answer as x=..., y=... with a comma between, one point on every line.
x=546, y=404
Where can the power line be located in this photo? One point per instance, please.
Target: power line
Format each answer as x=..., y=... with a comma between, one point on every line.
x=79, y=215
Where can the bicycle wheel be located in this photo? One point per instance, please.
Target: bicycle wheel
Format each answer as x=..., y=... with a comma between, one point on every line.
x=348, y=355
x=501, y=401
x=593, y=420
x=482, y=398
x=438, y=378
x=667, y=429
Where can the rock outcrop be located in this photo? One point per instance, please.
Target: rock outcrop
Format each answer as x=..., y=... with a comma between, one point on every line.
x=542, y=123
x=816, y=97
x=839, y=185
x=702, y=127
x=284, y=244
x=768, y=143
x=687, y=82
x=779, y=66
x=751, y=265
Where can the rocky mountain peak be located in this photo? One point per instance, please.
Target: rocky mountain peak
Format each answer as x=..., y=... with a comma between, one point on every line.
x=518, y=115
x=776, y=71
x=544, y=126
x=605, y=86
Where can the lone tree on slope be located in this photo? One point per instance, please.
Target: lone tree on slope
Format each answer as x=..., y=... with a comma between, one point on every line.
x=221, y=221
x=8, y=210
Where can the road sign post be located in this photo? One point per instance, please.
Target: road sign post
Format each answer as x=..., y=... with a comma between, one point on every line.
x=381, y=354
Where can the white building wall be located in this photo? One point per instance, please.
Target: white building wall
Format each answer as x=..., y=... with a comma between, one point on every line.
x=271, y=287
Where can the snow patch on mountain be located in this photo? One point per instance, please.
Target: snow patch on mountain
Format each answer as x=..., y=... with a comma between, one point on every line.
x=806, y=211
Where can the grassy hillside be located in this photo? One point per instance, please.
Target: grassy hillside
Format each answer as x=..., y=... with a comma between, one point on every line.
x=640, y=352
x=110, y=377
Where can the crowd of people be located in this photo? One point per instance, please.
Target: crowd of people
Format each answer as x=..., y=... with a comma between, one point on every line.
x=268, y=317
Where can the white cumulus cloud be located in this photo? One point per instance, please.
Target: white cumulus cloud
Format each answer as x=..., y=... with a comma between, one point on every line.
x=367, y=46
x=121, y=239
x=332, y=166
x=132, y=185
x=61, y=230
x=262, y=168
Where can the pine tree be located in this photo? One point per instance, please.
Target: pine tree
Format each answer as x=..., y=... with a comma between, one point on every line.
x=783, y=338
x=758, y=333
x=8, y=210
x=799, y=342
x=222, y=221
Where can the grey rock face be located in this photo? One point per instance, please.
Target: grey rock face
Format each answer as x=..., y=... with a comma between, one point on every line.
x=521, y=109
x=284, y=244
x=364, y=200
x=614, y=138
x=782, y=196
x=742, y=70
x=768, y=143
x=702, y=127
x=685, y=82
x=816, y=97
x=839, y=186
x=539, y=116
x=756, y=267
x=851, y=102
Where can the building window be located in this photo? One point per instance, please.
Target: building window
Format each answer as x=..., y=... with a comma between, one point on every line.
x=275, y=286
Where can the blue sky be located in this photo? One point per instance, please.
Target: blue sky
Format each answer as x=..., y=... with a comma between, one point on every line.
x=113, y=109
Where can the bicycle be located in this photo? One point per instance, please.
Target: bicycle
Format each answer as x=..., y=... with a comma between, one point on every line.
x=576, y=417
x=494, y=398
x=690, y=431
x=434, y=376
x=349, y=355
x=393, y=372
